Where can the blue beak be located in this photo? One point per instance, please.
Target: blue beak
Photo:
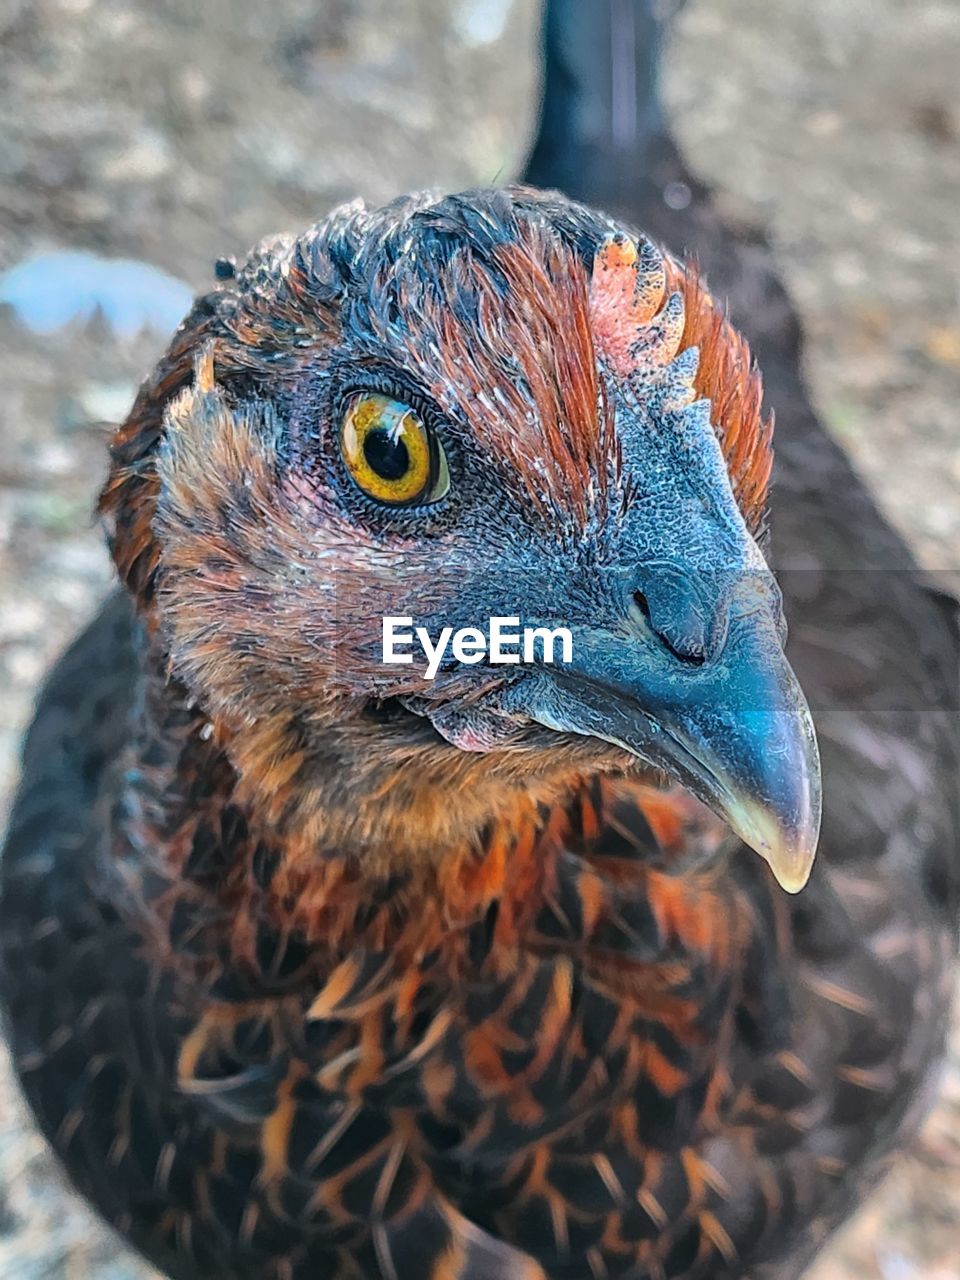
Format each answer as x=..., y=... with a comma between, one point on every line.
x=734, y=727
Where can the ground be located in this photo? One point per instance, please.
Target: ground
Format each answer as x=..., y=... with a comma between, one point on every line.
x=173, y=133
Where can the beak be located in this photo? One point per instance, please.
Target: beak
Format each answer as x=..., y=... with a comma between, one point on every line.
x=735, y=730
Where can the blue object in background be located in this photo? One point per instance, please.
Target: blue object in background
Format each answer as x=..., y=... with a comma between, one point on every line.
x=53, y=289
x=482, y=21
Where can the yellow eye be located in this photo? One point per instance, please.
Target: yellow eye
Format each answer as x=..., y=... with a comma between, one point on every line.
x=389, y=452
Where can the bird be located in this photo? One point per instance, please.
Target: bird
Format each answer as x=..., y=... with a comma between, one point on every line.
x=636, y=965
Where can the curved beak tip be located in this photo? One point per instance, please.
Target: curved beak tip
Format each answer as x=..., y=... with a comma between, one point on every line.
x=788, y=848
x=739, y=734
x=791, y=862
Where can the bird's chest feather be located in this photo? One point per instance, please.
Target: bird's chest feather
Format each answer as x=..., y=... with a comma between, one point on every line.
x=567, y=971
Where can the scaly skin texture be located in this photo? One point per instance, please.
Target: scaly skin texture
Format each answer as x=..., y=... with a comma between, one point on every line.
x=300, y=987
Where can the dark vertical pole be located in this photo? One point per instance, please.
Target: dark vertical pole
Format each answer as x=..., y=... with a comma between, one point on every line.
x=602, y=127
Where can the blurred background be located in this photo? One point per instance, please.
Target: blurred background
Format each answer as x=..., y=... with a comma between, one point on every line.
x=161, y=134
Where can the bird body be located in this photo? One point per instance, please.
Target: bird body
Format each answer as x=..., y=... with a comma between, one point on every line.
x=317, y=969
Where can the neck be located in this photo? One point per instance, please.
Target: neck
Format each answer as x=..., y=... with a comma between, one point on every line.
x=602, y=127
x=258, y=912
x=382, y=792
x=237, y=875
x=350, y=779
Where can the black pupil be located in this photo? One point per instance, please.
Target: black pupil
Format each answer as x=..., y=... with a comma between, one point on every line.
x=386, y=455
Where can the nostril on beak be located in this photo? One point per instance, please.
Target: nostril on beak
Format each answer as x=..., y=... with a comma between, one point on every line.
x=640, y=600
x=689, y=652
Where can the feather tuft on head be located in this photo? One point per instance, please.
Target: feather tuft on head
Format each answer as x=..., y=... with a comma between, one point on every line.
x=657, y=328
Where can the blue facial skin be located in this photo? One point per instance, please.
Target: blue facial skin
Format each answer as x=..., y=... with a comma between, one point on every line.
x=677, y=636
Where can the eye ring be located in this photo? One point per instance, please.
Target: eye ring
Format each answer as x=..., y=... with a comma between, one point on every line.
x=390, y=453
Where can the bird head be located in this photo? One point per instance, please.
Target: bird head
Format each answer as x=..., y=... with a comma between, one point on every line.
x=499, y=404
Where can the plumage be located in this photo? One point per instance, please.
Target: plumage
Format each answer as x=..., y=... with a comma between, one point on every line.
x=318, y=969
